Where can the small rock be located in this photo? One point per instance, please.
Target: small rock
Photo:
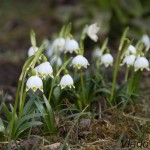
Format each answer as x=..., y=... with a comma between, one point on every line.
x=85, y=122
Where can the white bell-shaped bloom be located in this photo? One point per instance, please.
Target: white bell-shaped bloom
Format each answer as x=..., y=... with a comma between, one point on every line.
x=56, y=60
x=32, y=50
x=71, y=45
x=79, y=61
x=131, y=50
x=129, y=60
x=58, y=44
x=44, y=70
x=34, y=83
x=97, y=53
x=141, y=63
x=50, y=51
x=92, y=32
x=146, y=40
x=66, y=80
x=107, y=59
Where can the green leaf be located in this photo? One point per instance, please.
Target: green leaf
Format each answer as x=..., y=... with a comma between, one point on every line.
x=103, y=90
x=18, y=124
x=6, y=112
x=28, y=107
x=123, y=38
x=26, y=126
x=104, y=46
x=62, y=31
x=50, y=114
x=33, y=38
x=46, y=117
x=27, y=63
x=2, y=127
x=68, y=29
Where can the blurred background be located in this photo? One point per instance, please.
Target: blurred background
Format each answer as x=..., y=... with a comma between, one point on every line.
x=46, y=17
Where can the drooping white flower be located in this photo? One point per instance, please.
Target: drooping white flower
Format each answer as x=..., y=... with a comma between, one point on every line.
x=66, y=80
x=107, y=59
x=34, y=83
x=58, y=44
x=141, y=63
x=79, y=61
x=71, y=45
x=146, y=40
x=92, y=32
x=129, y=60
x=97, y=53
x=32, y=50
x=131, y=50
x=44, y=70
x=56, y=60
x=50, y=51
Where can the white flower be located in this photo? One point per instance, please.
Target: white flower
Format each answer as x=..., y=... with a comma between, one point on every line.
x=71, y=46
x=129, y=60
x=146, y=40
x=50, y=51
x=92, y=32
x=44, y=70
x=58, y=44
x=56, y=60
x=97, y=53
x=79, y=61
x=66, y=80
x=131, y=50
x=141, y=63
x=34, y=83
x=107, y=59
x=32, y=50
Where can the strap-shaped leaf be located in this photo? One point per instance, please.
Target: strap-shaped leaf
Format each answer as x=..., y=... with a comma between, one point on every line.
x=41, y=108
x=26, y=126
x=19, y=123
x=6, y=112
x=50, y=113
x=2, y=127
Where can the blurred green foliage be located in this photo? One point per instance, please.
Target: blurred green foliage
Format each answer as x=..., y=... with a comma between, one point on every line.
x=47, y=16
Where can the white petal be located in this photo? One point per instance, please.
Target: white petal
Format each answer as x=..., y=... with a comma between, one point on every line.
x=141, y=63
x=71, y=45
x=34, y=83
x=32, y=51
x=107, y=59
x=80, y=61
x=66, y=80
x=92, y=31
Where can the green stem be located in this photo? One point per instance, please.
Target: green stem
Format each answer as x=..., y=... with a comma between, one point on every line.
x=126, y=75
x=130, y=88
x=22, y=104
x=51, y=90
x=65, y=57
x=82, y=86
x=115, y=75
x=22, y=89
